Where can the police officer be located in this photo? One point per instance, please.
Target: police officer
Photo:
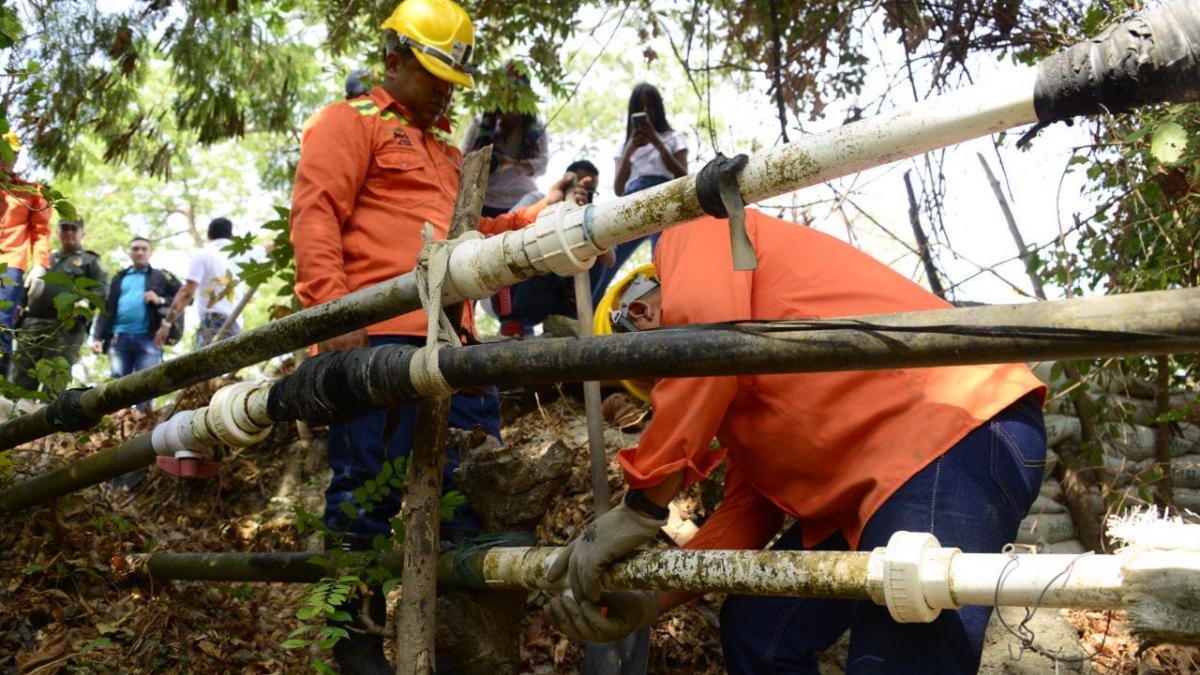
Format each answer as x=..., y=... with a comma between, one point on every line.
x=43, y=335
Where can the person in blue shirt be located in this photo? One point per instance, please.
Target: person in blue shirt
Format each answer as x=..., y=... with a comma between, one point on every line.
x=137, y=302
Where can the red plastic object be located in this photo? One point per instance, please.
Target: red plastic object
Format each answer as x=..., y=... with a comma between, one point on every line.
x=187, y=467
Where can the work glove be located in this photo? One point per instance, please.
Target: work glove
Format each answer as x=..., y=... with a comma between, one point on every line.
x=627, y=611
x=607, y=538
x=33, y=281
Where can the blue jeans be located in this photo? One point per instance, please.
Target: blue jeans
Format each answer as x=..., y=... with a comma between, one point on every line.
x=603, y=276
x=10, y=296
x=973, y=497
x=130, y=353
x=356, y=454
x=211, y=324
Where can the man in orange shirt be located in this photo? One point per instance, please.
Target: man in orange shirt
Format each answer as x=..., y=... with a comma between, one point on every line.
x=373, y=170
x=24, y=247
x=852, y=456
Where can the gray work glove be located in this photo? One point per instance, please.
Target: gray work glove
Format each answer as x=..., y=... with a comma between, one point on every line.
x=33, y=281
x=607, y=538
x=628, y=611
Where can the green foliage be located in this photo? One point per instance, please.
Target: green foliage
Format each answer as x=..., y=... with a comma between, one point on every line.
x=1143, y=174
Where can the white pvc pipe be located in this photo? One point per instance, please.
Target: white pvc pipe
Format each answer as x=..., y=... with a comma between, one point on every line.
x=565, y=240
x=1026, y=580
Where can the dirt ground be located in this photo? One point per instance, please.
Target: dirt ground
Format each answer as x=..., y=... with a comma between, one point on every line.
x=67, y=606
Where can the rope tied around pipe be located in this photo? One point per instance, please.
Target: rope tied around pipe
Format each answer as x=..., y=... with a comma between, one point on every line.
x=433, y=264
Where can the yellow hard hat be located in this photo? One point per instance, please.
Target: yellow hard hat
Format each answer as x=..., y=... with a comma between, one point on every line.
x=440, y=34
x=612, y=304
x=13, y=141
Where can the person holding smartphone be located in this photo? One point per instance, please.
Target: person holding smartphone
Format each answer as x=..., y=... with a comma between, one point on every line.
x=654, y=153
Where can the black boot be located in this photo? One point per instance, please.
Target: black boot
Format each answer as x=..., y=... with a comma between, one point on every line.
x=361, y=653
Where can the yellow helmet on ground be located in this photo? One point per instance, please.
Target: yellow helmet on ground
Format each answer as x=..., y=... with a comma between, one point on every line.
x=440, y=34
x=612, y=314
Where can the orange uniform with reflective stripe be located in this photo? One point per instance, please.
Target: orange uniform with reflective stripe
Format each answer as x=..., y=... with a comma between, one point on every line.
x=366, y=184
x=825, y=448
x=25, y=227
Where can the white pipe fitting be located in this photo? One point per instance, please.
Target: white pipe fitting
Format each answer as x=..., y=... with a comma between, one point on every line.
x=560, y=241
x=229, y=416
x=236, y=416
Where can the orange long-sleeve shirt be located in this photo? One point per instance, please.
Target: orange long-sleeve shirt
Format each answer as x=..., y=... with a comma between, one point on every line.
x=366, y=184
x=825, y=448
x=25, y=227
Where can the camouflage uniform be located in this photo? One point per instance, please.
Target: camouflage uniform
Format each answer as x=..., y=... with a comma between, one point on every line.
x=43, y=335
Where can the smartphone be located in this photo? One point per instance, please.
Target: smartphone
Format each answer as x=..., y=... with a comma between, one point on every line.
x=640, y=118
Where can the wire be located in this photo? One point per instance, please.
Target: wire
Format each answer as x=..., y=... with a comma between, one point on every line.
x=1023, y=633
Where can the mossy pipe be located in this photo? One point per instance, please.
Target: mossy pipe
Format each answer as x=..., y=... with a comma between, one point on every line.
x=482, y=267
x=341, y=386
x=133, y=454
x=797, y=573
x=1093, y=581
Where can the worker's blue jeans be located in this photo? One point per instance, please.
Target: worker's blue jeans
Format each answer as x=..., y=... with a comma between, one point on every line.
x=10, y=296
x=973, y=497
x=356, y=454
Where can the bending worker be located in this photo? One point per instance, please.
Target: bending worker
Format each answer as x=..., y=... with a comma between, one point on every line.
x=373, y=170
x=852, y=456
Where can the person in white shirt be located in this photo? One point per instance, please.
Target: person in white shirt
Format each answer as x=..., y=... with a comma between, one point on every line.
x=653, y=153
x=213, y=278
x=520, y=147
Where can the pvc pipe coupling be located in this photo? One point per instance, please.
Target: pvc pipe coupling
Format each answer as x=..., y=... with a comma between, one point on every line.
x=559, y=241
x=911, y=575
x=236, y=416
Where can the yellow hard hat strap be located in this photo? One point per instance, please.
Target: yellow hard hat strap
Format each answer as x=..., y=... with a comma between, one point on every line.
x=459, y=60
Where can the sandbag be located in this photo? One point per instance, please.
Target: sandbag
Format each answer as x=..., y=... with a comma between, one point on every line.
x=1068, y=547
x=1185, y=471
x=1049, y=528
x=1046, y=505
x=1187, y=499
x=1061, y=428
x=1050, y=489
x=1052, y=460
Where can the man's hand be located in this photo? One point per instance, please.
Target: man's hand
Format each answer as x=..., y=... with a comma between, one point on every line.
x=97, y=346
x=152, y=298
x=340, y=343
x=583, y=622
x=160, y=336
x=33, y=281
x=570, y=187
x=609, y=537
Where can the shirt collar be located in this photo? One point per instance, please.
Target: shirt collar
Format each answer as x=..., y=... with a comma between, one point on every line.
x=385, y=101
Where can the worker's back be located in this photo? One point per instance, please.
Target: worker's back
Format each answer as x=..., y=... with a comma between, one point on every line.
x=825, y=447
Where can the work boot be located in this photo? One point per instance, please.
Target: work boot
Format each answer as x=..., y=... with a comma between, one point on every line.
x=360, y=653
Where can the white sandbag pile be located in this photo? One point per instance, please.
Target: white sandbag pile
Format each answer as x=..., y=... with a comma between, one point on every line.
x=1130, y=454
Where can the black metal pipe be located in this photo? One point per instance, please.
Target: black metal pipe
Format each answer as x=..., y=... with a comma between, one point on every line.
x=1160, y=322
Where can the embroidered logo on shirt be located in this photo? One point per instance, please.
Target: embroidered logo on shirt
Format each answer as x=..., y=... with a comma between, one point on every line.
x=401, y=137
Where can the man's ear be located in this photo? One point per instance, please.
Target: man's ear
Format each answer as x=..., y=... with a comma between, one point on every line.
x=640, y=310
x=391, y=66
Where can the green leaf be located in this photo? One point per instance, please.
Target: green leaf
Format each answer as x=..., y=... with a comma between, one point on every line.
x=349, y=509
x=323, y=668
x=294, y=643
x=1169, y=142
